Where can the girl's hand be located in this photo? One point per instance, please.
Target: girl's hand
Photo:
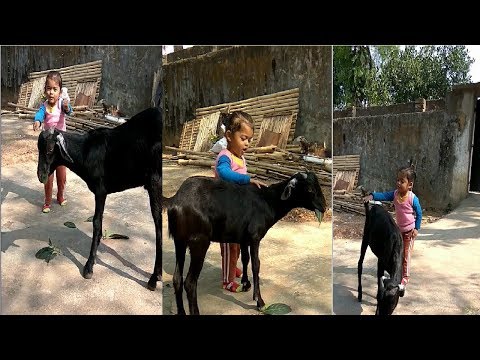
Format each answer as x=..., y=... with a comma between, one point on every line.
x=257, y=182
x=36, y=125
x=368, y=198
x=414, y=233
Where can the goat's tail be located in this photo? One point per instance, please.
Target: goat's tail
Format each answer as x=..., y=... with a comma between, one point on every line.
x=166, y=202
x=365, y=203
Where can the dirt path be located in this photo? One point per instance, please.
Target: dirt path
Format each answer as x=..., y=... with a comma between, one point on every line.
x=295, y=265
x=445, y=269
x=30, y=285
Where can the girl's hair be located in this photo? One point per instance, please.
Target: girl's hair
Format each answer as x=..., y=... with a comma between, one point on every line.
x=408, y=172
x=233, y=121
x=55, y=76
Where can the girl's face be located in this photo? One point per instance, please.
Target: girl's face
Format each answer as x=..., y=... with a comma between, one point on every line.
x=52, y=91
x=239, y=141
x=403, y=185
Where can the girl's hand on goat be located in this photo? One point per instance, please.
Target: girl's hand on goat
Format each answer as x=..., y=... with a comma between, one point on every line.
x=36, y=125
x=258, y=183
x=65, y=105
x=368, y=198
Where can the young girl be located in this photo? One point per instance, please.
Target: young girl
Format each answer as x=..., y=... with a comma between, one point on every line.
x=52, y=114
x=406, y=205
x=231, y=166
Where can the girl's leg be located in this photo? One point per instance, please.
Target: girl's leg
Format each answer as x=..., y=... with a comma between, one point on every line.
x=238, y=271
x=48, y=187
x=230, y=253
x=234, y=253
x=225, y=251
x=61, y=173
x=407, y=253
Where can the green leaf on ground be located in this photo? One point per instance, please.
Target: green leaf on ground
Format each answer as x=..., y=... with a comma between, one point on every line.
x=90, y=219
x=43, y=253
x=48, y=253
x=118, y=236
x=70, y=224
x=277, y=309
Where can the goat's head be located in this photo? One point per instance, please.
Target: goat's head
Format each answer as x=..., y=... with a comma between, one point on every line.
x=387, y=298
x=51, y=147
x=304, y=190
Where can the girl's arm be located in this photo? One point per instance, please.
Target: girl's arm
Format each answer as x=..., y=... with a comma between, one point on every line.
x=383, y=196
x=224, y=170
x=40, y=114
x=418, y=212
x=70, y=109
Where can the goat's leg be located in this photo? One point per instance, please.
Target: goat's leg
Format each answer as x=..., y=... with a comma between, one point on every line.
x=360, y=266
x=198, y=251
x=254, y=249
x=155, y=193
x=97, y=234
x=246, y=285
x=180, y=249
x=380, y=287
x=380, y=274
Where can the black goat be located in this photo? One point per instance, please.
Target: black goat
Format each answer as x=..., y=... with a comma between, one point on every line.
x=206, y=209
x=383, y=236
x=109, y=161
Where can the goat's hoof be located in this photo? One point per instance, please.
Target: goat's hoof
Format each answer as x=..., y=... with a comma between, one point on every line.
x=152, y=285
x=152, y=282
x=87, y=274
x=246, y=286
x=359, y=299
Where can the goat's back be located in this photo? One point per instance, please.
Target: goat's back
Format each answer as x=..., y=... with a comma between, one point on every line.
x=384, y=236
x=125, y=156
x=223, y=211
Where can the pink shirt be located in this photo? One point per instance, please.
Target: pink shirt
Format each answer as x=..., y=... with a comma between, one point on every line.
x=235, y=166
x=56, y=118
x=404, y=212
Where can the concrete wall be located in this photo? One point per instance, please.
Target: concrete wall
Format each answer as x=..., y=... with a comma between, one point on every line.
x=388, y=142
x=438, y=141
x=461, y=105
x=127, y=72
x=430, y=105
x=241, y=72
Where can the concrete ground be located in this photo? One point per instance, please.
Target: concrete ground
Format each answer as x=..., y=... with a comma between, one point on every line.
x=296, y=266
x=445, y=269
x=123, y=267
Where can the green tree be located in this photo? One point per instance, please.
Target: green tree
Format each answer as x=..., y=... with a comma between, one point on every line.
x=353, y=73
x=397, y=75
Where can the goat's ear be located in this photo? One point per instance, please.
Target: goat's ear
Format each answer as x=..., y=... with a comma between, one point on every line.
x=381, y=289
x=63, y=147
x=286, y=192
x=288, y=189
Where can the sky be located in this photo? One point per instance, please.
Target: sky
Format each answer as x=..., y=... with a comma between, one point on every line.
x=473, y=51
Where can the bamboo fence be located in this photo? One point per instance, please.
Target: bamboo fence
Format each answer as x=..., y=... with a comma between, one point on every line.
x=72, y=76
x=83, y=118
x=346, y=169
x=207, y=128
x=260, y=108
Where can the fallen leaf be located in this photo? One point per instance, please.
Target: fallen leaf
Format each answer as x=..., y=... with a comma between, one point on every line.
x=70, y=224
x=118, y=236
x=277, y=309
